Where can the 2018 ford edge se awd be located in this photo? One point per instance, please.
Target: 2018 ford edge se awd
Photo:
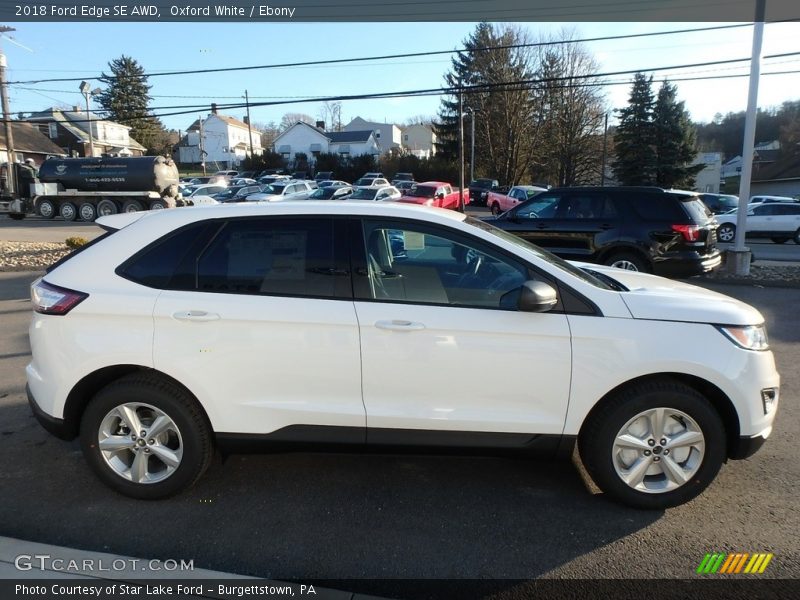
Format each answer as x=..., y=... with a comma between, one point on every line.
x=361, y=324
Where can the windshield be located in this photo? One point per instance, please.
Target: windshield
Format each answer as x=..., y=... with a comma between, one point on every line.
x=543, y=254
x=363, y=181
x=482, y=183
x=323, y=193
x=275, y=189
x=363, y=194
x=422, y=191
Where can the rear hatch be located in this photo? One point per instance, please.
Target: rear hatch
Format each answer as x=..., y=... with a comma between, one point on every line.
x=701, y=234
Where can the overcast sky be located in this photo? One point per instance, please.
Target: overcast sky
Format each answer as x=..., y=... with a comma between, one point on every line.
x=77, y=50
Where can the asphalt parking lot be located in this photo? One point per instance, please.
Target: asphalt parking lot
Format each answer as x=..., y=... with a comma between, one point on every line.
x=315, y=516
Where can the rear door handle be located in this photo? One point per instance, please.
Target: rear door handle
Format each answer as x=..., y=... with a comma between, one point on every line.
x=195, y=315
x=398, y=325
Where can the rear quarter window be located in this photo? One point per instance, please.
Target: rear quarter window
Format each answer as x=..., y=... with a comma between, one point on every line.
x=658, y=207
x=696, y=209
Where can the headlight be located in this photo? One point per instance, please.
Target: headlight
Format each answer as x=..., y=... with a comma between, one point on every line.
x=750, y=337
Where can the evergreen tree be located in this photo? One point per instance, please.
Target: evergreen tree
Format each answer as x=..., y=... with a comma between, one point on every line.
x=675, y=141
x=126, y=99
x=634, y=140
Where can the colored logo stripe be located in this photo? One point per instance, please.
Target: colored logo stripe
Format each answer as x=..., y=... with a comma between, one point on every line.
x=720, y=562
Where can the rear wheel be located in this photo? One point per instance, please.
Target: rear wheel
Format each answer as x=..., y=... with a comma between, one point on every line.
x=726, y=232
x=654, y=445
x=87, y=211
x=130, y=206
x=107, y=207
x=495, y=209
x=158, y=205
x=46, y=209
x=145, y=437
x=627, y=261
x=68, y=211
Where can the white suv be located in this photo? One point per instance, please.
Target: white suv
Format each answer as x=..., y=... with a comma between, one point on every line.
x=362, y=324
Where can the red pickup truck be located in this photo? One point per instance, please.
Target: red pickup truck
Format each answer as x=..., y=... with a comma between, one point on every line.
x=434, y=193
x=500, y=202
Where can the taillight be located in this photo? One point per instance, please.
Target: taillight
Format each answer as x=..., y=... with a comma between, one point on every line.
x=51, y=299
x=690, y=233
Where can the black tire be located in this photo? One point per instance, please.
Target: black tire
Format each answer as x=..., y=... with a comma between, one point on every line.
x=16, y=216
x=68, y=211
x=46, y=209
x=726, y=233
x=171, y=399
x=158, y=205
x=87, y=212
x=596, y=440
x=132, y=206
x=107, y=207
x=496, y=209
x=797, y=237
x=629, y=261
x=780, y=240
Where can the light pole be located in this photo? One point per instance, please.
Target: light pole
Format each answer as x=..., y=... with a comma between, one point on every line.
x=86, y=90
x=10, y=171
x=471, y=112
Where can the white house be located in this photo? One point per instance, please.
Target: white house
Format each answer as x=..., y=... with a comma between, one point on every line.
x=226, y=141
x=764, y=154
x=420, y=140
x=312, y=141
x=708, y=179
x=387, y=135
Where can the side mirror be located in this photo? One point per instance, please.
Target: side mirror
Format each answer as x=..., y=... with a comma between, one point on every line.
x=537, y=296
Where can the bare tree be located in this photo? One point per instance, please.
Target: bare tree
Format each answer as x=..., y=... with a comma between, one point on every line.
x=290, y=119
x=331, y=113
x=571, y=115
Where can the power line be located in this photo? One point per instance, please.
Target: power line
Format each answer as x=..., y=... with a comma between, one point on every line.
x=478, y=88
x=392, y=56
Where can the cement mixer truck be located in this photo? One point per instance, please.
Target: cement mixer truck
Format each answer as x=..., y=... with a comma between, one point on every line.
x=85, y=188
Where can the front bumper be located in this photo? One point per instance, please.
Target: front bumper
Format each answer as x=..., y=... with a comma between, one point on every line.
x=747, y=446
x=53, y=425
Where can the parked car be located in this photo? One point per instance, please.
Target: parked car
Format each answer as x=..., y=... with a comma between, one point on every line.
x=199, y=180
x=284, y=190
x=331, y=192
x=479, y=190
x=370, y=182
x=373, y=175
x=434, y=193
x=657, y=382
x=238, y=193
x=720, y=203
x=272, y=179
x=635, y=228
x=398, y=177
x=382, y=193
x=208, y=189
x=243, y=181
x=500, y=203
x=323, y=175
x=299, y=175
x=778, y=221
x=228, y=174
x=769, y=199
x=404, y=186
x=331, y=182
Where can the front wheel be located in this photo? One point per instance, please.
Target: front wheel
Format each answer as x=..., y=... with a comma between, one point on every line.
x=654, y=445
x=797, y=237
x=146, y=437
x=495, y=209
x=726, y=233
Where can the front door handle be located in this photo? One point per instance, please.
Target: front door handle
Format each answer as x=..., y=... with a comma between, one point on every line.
x=195, y=315
x=399, y=325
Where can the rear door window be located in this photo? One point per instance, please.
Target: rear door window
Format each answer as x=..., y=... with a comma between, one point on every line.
x=277, y=256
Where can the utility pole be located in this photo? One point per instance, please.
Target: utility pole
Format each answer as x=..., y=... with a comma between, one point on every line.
x=460, y=149
x=202, y=150
x=472, y=144
x=738, y=260
x=86, y=90
x=10, y=170
x=605, y=145
x=249, y=126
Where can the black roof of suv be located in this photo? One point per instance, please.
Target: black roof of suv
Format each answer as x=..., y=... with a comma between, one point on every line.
x=667, y=232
